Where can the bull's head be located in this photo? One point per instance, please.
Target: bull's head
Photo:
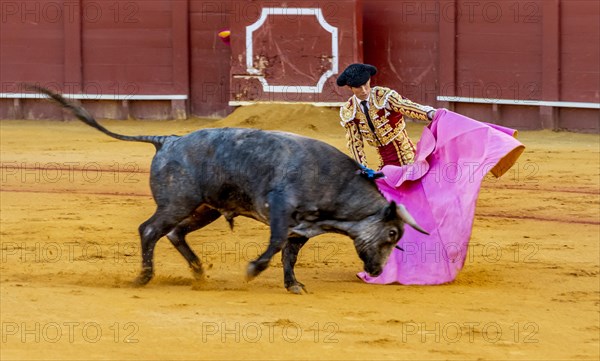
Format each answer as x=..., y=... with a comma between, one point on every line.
x=377, y=235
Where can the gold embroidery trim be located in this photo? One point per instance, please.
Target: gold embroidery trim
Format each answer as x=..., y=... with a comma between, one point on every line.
x=355, y=143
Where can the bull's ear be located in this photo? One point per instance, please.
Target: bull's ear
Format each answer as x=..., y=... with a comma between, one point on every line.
x=408, y=219
x=391, y=212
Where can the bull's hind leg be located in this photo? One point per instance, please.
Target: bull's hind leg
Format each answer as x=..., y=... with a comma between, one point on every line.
x=201, y=217
x=289, y=255
x=176, y=196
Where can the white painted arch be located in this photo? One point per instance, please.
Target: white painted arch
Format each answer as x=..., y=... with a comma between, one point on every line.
x=292, y=88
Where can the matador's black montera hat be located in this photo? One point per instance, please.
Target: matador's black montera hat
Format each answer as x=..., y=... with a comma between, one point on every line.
x=356, y=75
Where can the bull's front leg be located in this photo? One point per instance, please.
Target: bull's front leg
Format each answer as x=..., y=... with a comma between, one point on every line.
x=262, y=262
x=278, y=222
x=289, y=255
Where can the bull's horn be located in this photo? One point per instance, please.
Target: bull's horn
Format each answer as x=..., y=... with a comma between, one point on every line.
x=408, y=219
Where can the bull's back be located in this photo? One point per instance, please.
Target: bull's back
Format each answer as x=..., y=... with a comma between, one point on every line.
x=252, y=153
x=235, y=169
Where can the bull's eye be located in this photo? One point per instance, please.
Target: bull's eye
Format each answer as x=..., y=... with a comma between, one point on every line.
x=393, y=233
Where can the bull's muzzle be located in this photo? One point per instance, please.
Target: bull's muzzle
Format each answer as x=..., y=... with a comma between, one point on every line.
x=374, y=271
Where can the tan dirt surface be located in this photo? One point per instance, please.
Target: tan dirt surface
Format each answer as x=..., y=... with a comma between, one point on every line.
x=72, y=199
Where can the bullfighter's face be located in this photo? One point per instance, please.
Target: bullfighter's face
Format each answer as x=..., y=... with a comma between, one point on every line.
x=362, y=92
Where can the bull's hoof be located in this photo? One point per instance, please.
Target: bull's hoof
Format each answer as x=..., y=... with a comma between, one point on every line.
x=297, y=288
x=251, y=272
x=254, y=269
x=143, y=278
x=197, y=271
x=198, y=276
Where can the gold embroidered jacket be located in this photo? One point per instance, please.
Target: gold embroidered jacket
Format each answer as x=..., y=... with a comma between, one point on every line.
x=387, y=109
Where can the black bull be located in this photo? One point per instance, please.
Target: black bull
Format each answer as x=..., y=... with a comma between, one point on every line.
x=298, y=186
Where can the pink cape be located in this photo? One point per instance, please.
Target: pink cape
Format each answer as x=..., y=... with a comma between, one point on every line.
x=440, y=190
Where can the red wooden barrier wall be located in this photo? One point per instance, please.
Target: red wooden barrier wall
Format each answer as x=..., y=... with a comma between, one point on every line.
x=113, y=50
x=525, y=63
x=528, y=59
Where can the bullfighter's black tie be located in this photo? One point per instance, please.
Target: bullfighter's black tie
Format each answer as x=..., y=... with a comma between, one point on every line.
x=366, y=111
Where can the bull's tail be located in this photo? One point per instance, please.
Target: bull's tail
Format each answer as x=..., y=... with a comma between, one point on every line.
x=82, y=114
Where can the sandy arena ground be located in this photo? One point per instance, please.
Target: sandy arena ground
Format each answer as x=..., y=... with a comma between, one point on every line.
x=72, y=199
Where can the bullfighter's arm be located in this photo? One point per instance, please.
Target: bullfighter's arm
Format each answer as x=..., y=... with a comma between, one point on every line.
x=409, y=108
x=355, y=142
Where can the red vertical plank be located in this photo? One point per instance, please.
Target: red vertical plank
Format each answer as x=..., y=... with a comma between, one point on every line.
x=181, y=72
x=579, y=51
x=72, y=38
x=359, y=41
x=550, y=60
x=447, y=55
x=551, y=49
x=210, y=58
